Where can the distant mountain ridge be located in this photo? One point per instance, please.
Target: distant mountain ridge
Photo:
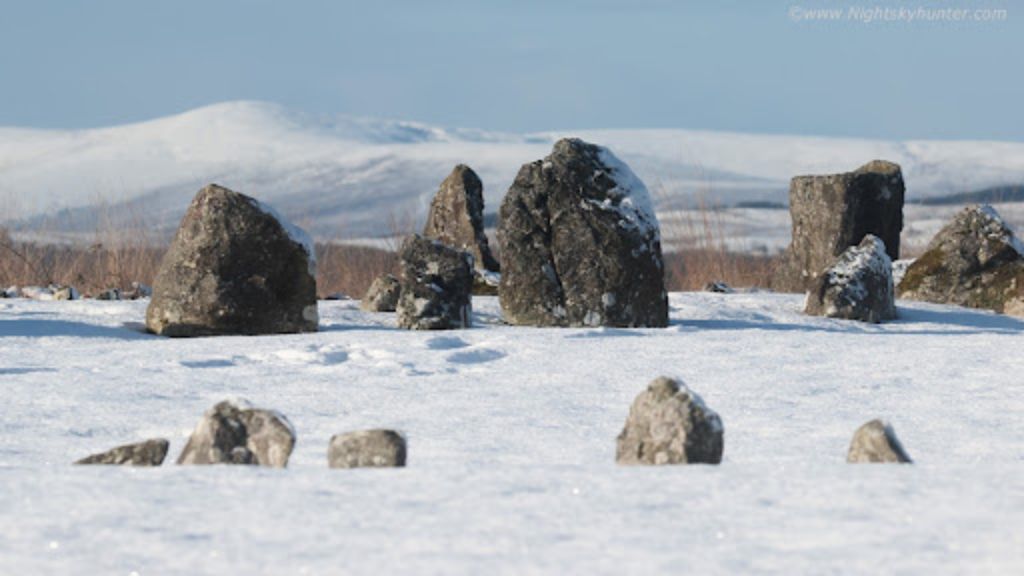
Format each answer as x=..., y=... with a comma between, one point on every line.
x=344, y=177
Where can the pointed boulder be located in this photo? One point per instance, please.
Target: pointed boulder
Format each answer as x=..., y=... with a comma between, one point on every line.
x=858, y=286
x=670, y=424
x=974, y=261
x=876, y=442
x=456, y=217
x=234, y=267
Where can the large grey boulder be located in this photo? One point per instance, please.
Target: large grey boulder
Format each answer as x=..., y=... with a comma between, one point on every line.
x=233, y=432
x=974, y=261
x=670, y=424
x=367, y=449
x=234, y=267
x=456, y=217
x=858, y=286
x=580, y=244
x=437, y=284
x=876, y=442
x=382, y=296
x=148, y=453
x=831, y=213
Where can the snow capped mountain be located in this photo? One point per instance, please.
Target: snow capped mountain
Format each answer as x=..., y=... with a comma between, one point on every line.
x=345, y=177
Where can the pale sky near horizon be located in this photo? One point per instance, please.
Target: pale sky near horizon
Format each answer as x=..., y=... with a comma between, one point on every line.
x=756, y=66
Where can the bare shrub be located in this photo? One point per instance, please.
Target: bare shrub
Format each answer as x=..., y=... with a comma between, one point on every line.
x=696, y=251
x=351, y=269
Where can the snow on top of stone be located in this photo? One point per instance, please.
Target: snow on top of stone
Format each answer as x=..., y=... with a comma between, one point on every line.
x=298, y=235
x=698, y=401
x=1000, y=229
x=635, y=206
x=846, y=271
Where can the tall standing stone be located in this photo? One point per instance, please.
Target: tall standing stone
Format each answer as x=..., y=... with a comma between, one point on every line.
x=831, y=213
x=436, y=286
x=456, y=217
x=580, y=243
x=974, y=261
x=234, y=267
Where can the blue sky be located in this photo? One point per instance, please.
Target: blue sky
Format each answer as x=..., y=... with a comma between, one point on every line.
x=520, y=66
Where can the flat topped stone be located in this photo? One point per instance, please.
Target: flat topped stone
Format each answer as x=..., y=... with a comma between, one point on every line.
x=149, y=453
x=234, y=267
x=832, y=212
x=436, y=286
x=367, y=449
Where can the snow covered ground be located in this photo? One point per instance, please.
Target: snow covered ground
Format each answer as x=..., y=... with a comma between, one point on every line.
x=342, y=177
x=512, y=439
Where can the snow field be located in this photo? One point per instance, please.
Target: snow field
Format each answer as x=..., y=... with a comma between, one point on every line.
x=511, y=445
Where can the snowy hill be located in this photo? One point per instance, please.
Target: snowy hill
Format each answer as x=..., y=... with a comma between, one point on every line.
x=512, y=445
x=345, y=177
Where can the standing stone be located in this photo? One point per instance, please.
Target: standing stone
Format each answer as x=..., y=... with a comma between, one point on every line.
x=234, y=267
x=367, y=448
x=857, y=287
x=456, y=217
x=670, y=424
x=974, y=261
x=876, y=442
x=382, y=296
x=831, y=213
x=437, y=284
x=580, y=244
x=148, y=453
x=232, y=432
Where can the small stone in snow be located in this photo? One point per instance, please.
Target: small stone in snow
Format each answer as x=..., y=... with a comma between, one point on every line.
x=382, y=296
x=876, y=442
x=234, y=433
x=858, y=286
x=367, y=449
x=148, y=453
x=670, y=424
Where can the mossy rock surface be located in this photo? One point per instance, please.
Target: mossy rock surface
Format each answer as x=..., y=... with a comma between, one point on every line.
x=974, y=261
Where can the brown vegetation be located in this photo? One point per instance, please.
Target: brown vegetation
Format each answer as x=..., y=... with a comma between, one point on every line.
x=119, y=257
x=341, y=268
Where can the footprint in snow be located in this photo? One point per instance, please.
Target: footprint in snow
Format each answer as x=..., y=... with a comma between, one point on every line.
x=446, y=343
x=478, y=356
x=210, y=363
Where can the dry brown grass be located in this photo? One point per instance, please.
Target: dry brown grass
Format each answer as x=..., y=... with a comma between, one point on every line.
x=92, y=269
x=700, y=255
x=351, y=269
x=118, y=257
